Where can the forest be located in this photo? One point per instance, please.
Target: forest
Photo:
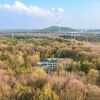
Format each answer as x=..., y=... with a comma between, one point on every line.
x=76, y=77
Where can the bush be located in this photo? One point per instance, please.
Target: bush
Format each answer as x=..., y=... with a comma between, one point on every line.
x=3, y=57
x=93, y=72
x=46, y=94
x=98, y=81
x=17, y=86
x=86, y=66
x=92, y=76
x=39, y=72
x=93, y=93
x=75, y=66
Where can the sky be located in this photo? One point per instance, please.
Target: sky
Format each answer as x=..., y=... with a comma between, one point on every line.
x=34, y=14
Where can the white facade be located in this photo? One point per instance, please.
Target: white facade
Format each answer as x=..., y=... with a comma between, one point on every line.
x=50, y=63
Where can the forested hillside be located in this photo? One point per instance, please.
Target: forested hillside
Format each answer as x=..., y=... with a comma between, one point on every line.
x=77, y=76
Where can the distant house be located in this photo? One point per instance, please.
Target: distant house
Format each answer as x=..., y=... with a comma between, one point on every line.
x=49, y=62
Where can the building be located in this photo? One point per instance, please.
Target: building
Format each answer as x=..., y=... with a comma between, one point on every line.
x=50, y=63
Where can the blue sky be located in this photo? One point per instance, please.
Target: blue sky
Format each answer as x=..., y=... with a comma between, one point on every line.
x=29, y=14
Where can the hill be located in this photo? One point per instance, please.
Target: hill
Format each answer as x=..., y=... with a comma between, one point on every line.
x=55, y=29
x=51, y=29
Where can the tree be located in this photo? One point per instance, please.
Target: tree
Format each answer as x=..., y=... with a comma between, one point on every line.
x=98, y=80
x=92, y=76
x=3, y=57
x=3, y=65
x=32, y=60
x=16, y=60
x=93, y=72
x=46, y=53
x=17, y=86
x=60, y=68
x=96, y=62
x=86, y=66
x=39, y=72
x=46, y=94
x=75, y=66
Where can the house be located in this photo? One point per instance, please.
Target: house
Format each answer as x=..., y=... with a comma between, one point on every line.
x=49, y=62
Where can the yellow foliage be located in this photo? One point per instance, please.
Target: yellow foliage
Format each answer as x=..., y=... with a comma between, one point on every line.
x=39, y=72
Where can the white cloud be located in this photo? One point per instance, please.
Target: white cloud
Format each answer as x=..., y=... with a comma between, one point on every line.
x=61, y=10
x=32, y=10
x=53, y=9
x=58, y=10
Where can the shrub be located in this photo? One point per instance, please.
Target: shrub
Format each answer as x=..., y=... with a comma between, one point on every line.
x=17, y=86
x=92, y=76
x=93, y=72
x=39, y=72
x=46, y=94
x=75, y=66
x=98, y=80
x=93, y=92
x=3, y=57
x=86, y=66
x=74, y=90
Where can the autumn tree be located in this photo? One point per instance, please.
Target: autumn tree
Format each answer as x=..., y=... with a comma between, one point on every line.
x=86, y=66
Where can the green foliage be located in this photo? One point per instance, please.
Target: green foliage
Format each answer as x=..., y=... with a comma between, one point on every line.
x=3, y=57
x=75, y=66
x=39, y=83
x=47, y=53
x=86, y=66
x=93, y=72
x=81, y=73
x=97, y=63
x=92, y=76
x=17, y=86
